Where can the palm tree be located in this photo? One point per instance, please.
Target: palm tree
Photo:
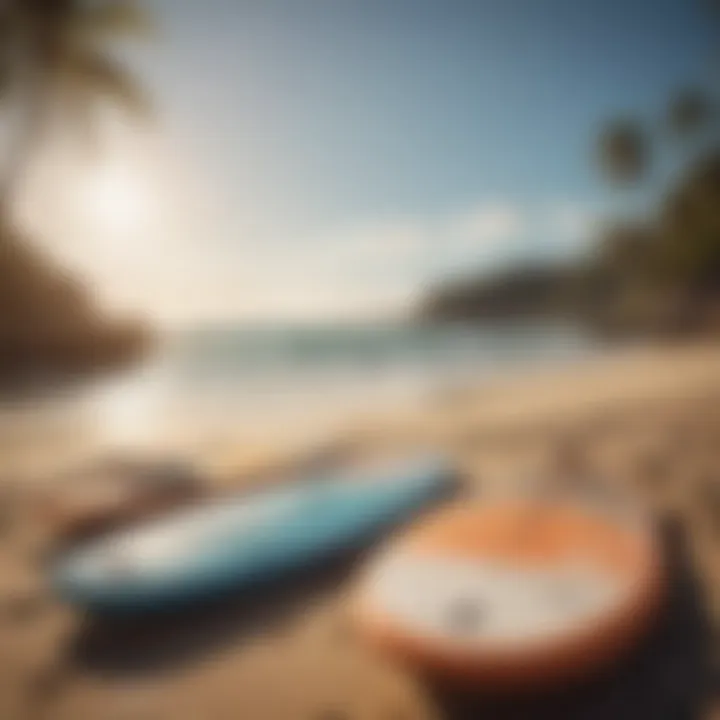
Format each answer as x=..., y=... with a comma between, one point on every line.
x=623, y=151
x=671, y=269
x=57, y=70
x=690, y=111
x=625, y=146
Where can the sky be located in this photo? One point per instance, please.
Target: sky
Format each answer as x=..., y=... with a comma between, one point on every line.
x=335, y=158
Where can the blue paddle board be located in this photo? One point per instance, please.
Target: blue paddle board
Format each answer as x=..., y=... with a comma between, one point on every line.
x=240, y=541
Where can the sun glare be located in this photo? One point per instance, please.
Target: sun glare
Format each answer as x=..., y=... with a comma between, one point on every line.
x=117, y=199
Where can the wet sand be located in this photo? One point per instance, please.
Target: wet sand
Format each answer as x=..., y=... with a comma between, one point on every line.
x=649, y=420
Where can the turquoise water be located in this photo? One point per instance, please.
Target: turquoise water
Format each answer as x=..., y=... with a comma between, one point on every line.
x=269, y=380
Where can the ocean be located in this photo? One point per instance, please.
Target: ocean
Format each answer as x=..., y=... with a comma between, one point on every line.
x=272, y=382
x=261, y=381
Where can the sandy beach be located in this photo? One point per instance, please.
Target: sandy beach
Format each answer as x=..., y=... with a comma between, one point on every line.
x=649, y=419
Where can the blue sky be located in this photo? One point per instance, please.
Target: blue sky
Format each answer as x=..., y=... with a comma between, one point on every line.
x=353, y=150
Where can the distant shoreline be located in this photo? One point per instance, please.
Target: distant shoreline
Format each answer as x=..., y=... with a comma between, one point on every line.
x=551, y=398
x=555, y=394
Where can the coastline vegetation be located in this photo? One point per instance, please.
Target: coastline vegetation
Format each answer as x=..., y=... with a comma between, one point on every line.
x=658, y=274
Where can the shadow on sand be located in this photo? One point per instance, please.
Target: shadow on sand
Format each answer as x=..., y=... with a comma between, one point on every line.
x=669, y=676
x=172, y=638
x=129, y=646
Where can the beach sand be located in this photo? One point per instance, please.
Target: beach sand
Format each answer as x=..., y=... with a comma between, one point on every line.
x=648, y=419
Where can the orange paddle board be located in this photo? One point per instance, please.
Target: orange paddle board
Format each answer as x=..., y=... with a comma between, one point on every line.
x=512, y=594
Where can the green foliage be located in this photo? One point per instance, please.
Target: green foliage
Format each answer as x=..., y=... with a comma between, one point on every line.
x=689, y=244
x=623, y=151
x=97, y=77
x=115, y=17
x=59, y=57
x=689, y=111
x=520, y=292
x=661, y=275
x=667, y=272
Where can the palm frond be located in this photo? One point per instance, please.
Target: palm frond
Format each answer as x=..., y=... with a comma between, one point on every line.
x=114, y=17
x=690, y=110
x=102, y=75
x=623, y=151
x=5, y=78
x=76, y=115
x=7, y=31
